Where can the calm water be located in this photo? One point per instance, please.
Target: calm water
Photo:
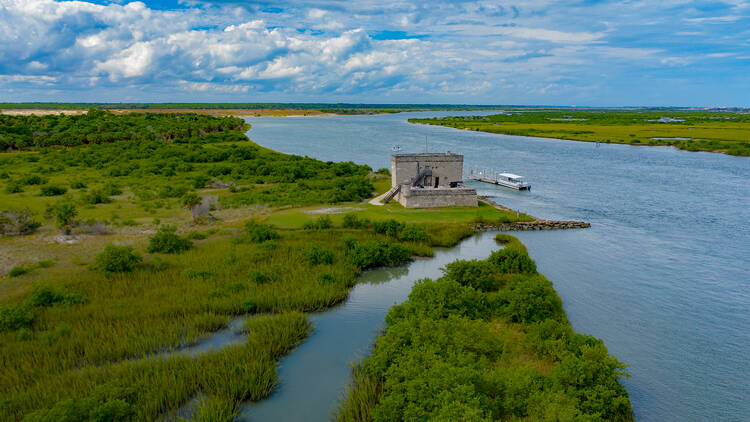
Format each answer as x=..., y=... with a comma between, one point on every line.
x=662, y=276
x=314, y=376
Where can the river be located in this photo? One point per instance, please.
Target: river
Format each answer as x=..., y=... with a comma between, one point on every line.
x=662, y=275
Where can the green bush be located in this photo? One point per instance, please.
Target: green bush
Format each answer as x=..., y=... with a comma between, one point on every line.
x=96, y=196
x=117, y=259
x=52, y=190
x=317, y=256
x=65, y=214
x=44, y=295
x=258, y=277
x=512, y=260
x=477, y=274
x=14, y=317
x=412, y=233
x=528, y=299
x=33, y=179
x=376, y=253
x=18, y=270
x=322, y=223
x=78, y=184
x=167, y=241
x=352, y=221
x=14, y=187
x=390, y=227
x=259, y=232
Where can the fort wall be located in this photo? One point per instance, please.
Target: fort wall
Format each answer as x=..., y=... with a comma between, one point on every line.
x=445, y=168
x=440, y=197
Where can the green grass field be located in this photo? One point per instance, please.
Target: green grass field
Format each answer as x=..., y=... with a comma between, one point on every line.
x=689, y=130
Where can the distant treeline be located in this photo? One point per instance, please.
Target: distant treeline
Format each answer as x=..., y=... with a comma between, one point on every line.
x=167, y=156
x=98, y=126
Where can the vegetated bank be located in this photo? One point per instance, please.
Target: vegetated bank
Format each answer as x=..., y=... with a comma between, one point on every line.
x=106, y=271
x=104, y=268
x=487, y=341
x=727, y=132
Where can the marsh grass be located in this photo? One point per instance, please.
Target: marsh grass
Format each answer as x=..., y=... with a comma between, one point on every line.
x=165, y=305
x=692, y=130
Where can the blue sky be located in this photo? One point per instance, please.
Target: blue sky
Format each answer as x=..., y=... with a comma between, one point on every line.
x=586, y=53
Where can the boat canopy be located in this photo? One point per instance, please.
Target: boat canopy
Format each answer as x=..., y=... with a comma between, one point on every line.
x=510, y=176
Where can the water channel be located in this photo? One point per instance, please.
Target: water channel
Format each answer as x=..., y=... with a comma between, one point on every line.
x=662, y=275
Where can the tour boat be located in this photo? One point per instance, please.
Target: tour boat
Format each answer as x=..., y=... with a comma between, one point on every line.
x=508, y=180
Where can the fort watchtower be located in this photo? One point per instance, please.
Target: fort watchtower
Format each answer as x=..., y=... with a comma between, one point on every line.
x=429, y=180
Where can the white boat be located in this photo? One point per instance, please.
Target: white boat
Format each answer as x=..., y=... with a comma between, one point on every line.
x=508, y=180
x=396, y=148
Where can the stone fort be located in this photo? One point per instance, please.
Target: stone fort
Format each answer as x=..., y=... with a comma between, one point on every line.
x=429, y=180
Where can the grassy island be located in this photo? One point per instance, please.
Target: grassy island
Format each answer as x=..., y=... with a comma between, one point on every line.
x=689, y=130
x=127, y=239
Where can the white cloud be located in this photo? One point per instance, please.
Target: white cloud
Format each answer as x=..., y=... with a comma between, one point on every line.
x=369, y=48
x=133, y=61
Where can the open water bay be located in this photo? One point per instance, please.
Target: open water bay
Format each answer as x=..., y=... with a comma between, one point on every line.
x=663, y=274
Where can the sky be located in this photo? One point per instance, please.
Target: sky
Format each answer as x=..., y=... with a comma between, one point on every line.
x=537, y=52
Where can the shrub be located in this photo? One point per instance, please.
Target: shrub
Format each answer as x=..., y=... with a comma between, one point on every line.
x=258, y=277
x=529, y=298
x=190, y=200
x=14, y=317
x=322, y=223
x=317, y=256
x=390, y=227
x=111, y=189
x=18, y=271
x=199, y=181
x=96, y=196
x=259, y=232
x=383, y=171
x=65, y=214
x=14, y=187
x=117, y=259
x=474, y=273
x=167, y=241
x=45, y=295
x=77, y=184
x=52, y=190
x=375, y=253
x=512, y=260
x=24, y=334
x=33, y=179
x=412, y=233
x=352, y=221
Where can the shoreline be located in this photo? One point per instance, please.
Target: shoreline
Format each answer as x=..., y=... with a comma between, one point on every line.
x=536, y=224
